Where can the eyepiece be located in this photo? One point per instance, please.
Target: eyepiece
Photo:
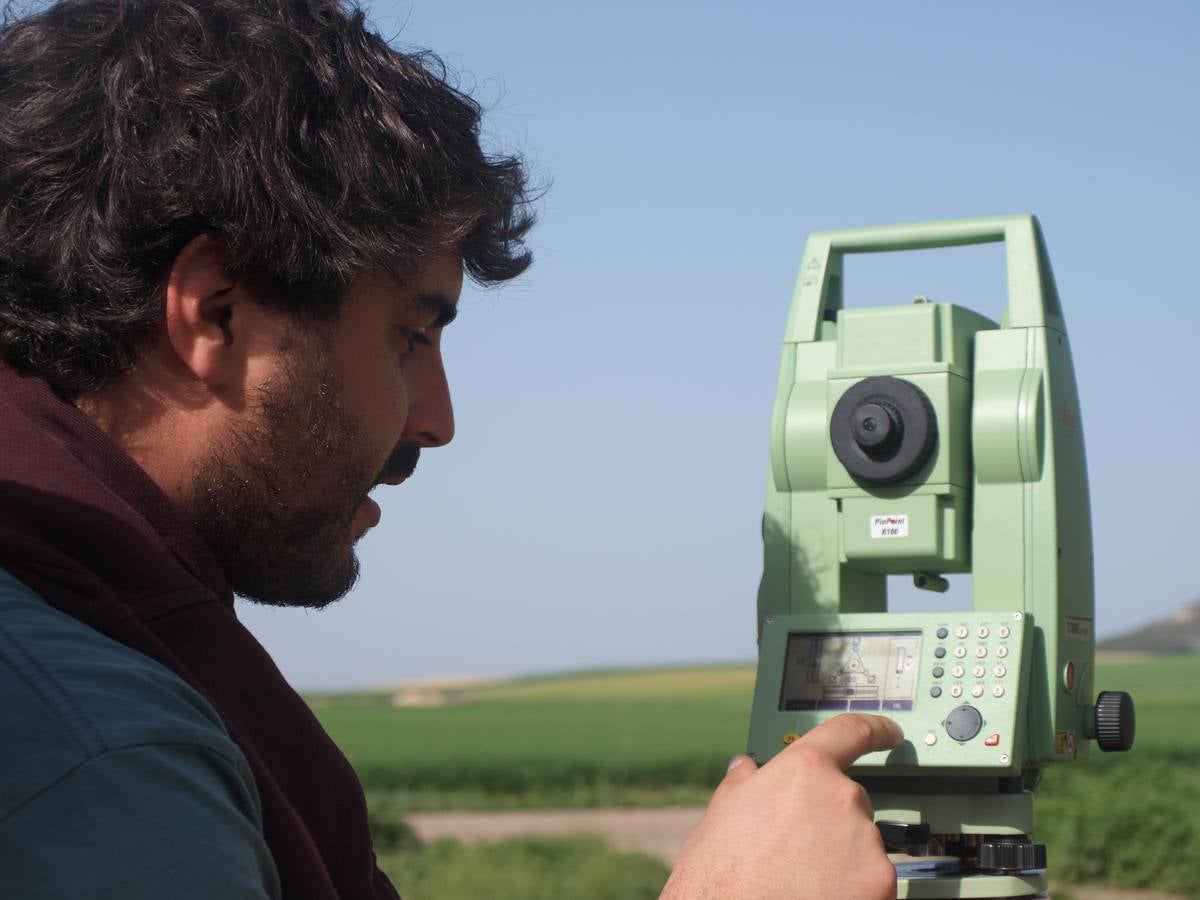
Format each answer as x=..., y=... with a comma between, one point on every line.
x=877, y=427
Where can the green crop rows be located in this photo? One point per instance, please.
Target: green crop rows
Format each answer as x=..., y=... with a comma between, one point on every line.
x=654, y=737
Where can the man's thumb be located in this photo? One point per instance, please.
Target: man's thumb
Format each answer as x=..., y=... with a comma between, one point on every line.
x=740, y=768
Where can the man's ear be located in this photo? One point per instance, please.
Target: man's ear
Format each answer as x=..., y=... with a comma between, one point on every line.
x=206, y=313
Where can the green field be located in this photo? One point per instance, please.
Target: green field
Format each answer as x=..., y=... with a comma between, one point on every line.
x=1166, y=692
x=524, y=869
x=664, y=736
x=611, y=737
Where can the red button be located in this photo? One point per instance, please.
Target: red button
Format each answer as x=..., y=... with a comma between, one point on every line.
x=992, y=740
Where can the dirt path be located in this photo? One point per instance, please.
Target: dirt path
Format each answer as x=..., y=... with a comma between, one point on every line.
x=657, y=832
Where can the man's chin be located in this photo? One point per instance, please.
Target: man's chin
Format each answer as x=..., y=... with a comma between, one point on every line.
x=302, y=586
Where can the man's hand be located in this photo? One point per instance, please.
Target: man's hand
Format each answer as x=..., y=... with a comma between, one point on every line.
x=796, y=829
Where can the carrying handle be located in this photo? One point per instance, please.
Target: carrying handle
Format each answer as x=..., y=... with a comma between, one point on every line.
x=1032, y=295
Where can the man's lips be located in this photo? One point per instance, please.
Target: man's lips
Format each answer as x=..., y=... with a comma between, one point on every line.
x=396, y=471
x=368, y=514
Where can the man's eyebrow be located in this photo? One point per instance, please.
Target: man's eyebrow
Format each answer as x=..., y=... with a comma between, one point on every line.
x=441, y=307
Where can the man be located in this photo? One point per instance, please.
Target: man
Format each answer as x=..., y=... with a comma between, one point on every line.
x=231, y=233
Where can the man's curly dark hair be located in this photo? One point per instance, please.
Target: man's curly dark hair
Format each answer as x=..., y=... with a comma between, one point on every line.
x=286, y=127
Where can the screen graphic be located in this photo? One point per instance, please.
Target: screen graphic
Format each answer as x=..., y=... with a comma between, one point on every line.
x=863, y=672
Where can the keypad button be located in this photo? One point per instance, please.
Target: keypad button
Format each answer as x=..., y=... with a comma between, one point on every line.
x=939, y=652
x=997, y=691
x=1000, y=671
x=960, y=651
x=956, y=691
x=1003, y=631
x=962, y=631
x=930, y=739
x=977, y=690
x=982, y=631
x=979, y=671
x=935, y=691
x=1002, y=651
x=943, y=633
x=957, y=671
x=981, y=651
x=938, y=671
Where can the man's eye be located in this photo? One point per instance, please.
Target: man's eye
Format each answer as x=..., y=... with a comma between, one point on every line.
x=411, y=337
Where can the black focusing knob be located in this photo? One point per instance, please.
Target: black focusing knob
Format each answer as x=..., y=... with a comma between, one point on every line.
x=1011, y=854
x=883, y=430
x=1115, y=724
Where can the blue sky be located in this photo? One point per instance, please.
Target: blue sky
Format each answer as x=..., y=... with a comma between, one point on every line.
x=600, y=504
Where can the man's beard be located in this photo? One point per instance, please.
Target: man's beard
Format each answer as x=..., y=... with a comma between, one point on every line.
x=276, y=503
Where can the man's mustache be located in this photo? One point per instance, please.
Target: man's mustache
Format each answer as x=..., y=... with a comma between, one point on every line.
x=401, y=463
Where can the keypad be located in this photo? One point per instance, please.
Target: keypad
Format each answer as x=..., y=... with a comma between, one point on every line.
x=986, y=645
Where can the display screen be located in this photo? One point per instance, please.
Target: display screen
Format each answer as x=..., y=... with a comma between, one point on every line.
x=863, y=671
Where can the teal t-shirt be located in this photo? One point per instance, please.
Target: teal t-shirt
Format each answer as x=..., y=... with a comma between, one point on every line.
x=117, y=779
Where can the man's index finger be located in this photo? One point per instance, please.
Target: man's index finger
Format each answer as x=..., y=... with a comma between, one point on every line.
x=846, y=737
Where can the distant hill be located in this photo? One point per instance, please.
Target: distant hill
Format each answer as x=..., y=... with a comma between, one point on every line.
x=1177, y=633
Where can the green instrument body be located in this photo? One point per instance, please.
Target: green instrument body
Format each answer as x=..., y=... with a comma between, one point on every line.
x=988, y=697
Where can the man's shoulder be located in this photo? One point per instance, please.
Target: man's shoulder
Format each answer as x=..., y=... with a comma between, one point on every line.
x=111, y=762
x=71, y=694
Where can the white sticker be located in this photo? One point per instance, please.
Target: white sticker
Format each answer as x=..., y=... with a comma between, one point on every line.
x=889, y=526
x=1080, y=629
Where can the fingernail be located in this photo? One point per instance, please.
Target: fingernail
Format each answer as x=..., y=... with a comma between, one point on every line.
x=735, y=762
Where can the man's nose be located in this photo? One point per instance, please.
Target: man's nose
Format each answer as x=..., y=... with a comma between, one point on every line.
x=430, y=420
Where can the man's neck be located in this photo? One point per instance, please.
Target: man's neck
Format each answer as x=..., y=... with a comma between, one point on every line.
x=159, y=426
